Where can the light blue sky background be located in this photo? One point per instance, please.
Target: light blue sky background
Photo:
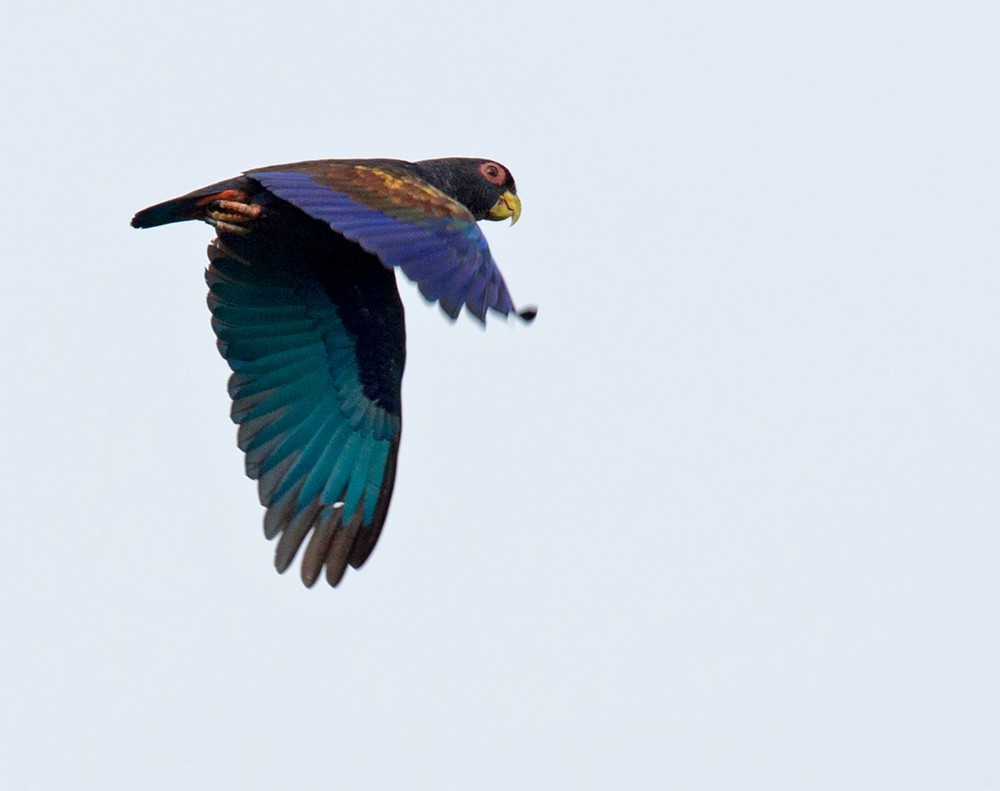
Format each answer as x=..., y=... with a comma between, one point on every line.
x=725, y=517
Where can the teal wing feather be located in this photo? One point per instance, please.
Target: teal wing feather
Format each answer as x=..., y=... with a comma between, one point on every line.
x=315, y=389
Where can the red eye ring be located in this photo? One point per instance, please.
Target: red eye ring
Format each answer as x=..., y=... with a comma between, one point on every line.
x=493, y=172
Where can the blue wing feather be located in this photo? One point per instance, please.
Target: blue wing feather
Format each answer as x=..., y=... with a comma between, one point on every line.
x=448, y=257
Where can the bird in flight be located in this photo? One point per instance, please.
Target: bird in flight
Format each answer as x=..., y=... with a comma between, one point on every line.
x=306, y=311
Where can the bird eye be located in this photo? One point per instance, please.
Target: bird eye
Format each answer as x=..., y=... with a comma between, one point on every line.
x=492, y=172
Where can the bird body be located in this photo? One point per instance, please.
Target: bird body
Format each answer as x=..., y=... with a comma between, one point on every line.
x=306, y=311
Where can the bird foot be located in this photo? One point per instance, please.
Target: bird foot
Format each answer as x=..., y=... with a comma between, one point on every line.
x=230, y=216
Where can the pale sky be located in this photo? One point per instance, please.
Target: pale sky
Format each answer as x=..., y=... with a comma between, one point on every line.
x=725, y=517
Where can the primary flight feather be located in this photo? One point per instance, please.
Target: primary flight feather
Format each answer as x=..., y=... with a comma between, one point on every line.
x=305, y=307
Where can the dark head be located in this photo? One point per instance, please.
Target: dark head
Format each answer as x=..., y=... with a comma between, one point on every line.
x=483, y=186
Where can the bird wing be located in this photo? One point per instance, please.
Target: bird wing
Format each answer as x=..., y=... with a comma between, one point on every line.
x=315, y=388
x=405, y=222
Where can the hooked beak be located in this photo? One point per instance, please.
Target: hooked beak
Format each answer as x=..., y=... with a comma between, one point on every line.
x=507, y=205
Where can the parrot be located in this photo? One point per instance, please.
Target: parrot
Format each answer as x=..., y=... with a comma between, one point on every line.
x=306, y=312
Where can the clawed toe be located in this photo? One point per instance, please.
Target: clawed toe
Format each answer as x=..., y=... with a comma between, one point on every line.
x=231, y=216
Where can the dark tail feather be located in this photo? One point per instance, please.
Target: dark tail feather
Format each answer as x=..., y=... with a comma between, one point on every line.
x=190, y=206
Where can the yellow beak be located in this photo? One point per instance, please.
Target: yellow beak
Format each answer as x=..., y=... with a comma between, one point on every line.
x=507, y=205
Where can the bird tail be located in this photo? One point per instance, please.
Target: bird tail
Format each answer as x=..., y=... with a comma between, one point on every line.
x=190, y=206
